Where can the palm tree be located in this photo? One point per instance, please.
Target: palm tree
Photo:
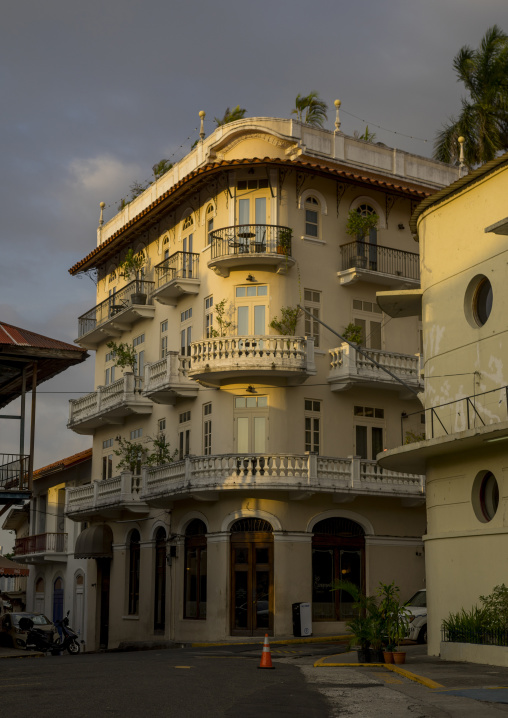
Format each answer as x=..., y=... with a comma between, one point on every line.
x=310, y=109
x=231, y=115
x=483, y=121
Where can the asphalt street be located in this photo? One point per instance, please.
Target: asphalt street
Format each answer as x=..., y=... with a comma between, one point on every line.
x=225, y=681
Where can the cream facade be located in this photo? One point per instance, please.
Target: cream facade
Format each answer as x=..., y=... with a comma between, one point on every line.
x=462, y=232
x=274, y=491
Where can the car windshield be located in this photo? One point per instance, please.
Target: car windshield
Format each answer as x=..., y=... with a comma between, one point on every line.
x=419, y=600
x=39, y=619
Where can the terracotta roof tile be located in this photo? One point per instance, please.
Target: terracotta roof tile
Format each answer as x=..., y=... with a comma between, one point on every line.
x=64, y=463
x=15, y=336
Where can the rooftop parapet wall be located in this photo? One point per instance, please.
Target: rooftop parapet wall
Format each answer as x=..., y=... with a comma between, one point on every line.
x=293, y=139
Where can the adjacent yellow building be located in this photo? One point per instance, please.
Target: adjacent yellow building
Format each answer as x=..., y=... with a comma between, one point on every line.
x=463, y=451
x=274, y=491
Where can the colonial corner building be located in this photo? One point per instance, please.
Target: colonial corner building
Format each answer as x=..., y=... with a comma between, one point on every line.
x=462, y=300
x=274, y=492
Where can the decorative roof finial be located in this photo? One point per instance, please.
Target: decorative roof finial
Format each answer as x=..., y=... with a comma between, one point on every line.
x=101, y=218
x=462, y=166
x=337, y=104
x=202, y=128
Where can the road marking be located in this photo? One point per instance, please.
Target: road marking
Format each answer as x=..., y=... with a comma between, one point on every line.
x=182, y=666
x=428, y=682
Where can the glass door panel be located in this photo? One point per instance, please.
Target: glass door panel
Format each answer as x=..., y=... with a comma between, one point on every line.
x=252, y=578
x=243, y=321
x=259, y=434
x=242, y=424
x=350, y=570
x=259, y=319
x=323, y=571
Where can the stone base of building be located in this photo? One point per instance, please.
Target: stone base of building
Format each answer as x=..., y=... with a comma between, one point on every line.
x=474, y=653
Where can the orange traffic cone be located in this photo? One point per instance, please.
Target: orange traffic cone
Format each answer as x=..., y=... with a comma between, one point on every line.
x=266, y=656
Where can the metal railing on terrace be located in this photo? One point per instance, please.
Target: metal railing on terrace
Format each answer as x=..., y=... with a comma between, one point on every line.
x=41, y=543
x=126, y=297
x=376, y=258
x=14, y=471
x=181, y=265
x=469, y=412
x=251, y=239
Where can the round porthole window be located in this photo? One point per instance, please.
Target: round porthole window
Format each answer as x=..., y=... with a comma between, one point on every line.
x=478, y=301
x=485, y=496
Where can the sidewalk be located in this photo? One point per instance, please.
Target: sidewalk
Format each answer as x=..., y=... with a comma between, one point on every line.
x=18, y=653
x=469, y=680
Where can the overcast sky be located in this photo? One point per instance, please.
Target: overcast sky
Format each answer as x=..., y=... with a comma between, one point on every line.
x=94, y=93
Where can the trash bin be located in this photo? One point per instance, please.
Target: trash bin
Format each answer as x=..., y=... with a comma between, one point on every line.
x=302, y=619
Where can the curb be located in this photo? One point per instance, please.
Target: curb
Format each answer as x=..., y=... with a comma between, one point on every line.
x=28, y=655
x=427, y=682
x=288, y=641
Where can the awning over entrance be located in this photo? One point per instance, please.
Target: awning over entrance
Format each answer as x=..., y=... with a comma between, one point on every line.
x=9, y=568
x=95, y=542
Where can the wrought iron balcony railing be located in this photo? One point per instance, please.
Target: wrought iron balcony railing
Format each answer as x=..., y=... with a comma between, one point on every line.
x=13, y=471
x=251, y=239
x=181, y=265
x=375, y=258
x=133, y=294
x=41, y=543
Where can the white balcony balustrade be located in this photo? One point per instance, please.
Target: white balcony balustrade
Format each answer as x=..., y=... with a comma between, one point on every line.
x=349, y=368
x=109, y=498
x=168, y=379
x=108, y=405
x=204, y=477
x=278, y=357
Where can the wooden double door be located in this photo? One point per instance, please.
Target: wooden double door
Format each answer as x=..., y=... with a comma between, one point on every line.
x=251, y=584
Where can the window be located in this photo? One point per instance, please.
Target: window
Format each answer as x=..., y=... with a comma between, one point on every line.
x=312, y=425
x=251, y=424
x=485, y=496
x=210, y=211
x=136, y=434
x=184, y=435
x=107, y=443
x=162, y=425
x=207, y=429
x=209, y=317
x=195, y=570
x=159, y=609
x=368, y=316
x=311, y=217
x=165, y=245
x=134, y=560
x=185, y=332
x=139, y=366
x=312, y=302
x=369, y=431
x=107, y=466
x=138, y=340
x=188, y=222
x=164, y=338
x=482, y=301
x=251, y=305
x=109, y=376
x=252, y=184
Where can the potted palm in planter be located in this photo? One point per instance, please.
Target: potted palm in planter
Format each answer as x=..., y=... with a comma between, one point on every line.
x=363, y=623
x=396, y=621
x=284, y=241
x=132, y=267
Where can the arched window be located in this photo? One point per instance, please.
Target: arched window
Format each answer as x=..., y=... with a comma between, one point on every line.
x=195, y=570
x=187, y=247
x=312, y=217
x=210, y=212
x=159, y=610
x=187, y=222
x=338, y=552
x=134, y=560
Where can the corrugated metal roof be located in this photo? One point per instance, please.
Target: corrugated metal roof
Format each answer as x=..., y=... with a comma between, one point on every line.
x=15, y=336
x=410, y=190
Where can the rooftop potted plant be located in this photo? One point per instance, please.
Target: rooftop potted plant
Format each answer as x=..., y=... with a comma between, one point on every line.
x=132, y=266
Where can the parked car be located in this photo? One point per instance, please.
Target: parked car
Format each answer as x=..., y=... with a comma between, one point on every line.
x=12, y=636
x=417, y=606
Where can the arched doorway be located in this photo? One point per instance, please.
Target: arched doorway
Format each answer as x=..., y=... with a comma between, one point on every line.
x=251, y=577
x=338, y=551
x=159, y=609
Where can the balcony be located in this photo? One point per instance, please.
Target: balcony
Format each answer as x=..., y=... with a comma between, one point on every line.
x=110, y=499
x=41, y=548
x=108, y=405
x=205, y=477
x=117, y=314
x=167, y=380
x=270, y=357
x=176, y=276
x=361, y=261
x=14, y=472
x=251, y=245
x=349, y=368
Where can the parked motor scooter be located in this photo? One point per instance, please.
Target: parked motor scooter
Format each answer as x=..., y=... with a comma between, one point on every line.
x=43, y=641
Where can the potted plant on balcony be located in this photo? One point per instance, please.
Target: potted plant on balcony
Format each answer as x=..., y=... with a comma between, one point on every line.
x=353, y=333
x=132, y=266
x=286, y=326
x=124, y=355
x=359, y=226
x=284, y=241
